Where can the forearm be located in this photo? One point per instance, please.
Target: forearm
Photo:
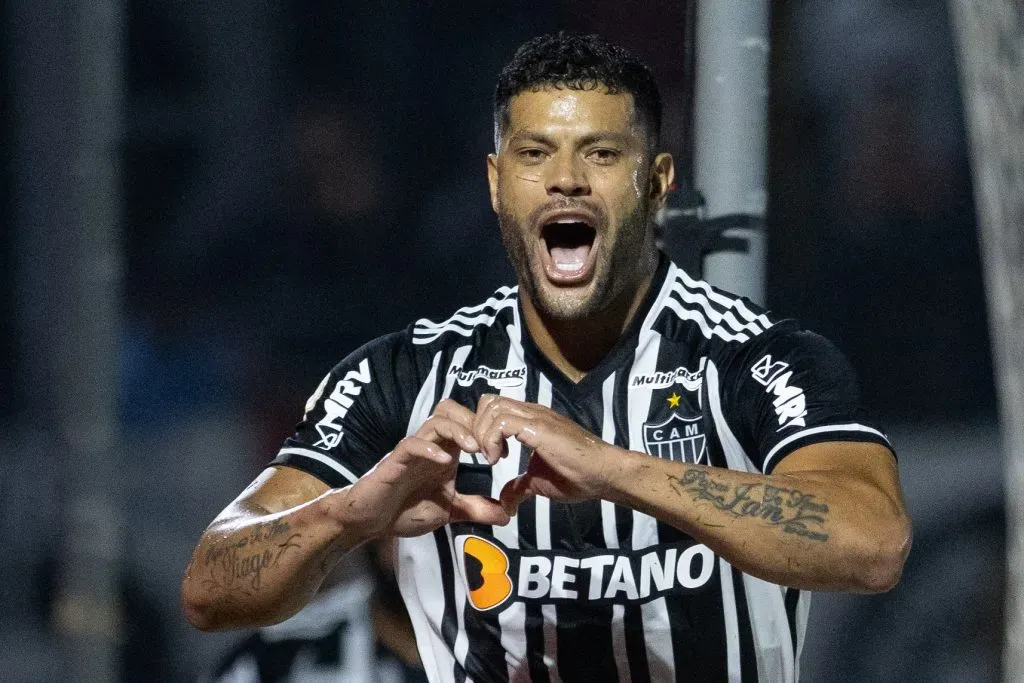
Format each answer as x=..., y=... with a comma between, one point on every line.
x=815, y=530
x=253, y=567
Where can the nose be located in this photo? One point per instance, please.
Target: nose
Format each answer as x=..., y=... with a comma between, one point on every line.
x=567, y=176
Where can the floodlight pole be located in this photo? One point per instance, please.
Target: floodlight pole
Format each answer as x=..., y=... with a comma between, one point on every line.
x=730, y=126
x=68, y=94
x=990, y=41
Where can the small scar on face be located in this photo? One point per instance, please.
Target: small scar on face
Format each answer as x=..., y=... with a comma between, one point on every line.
x=529, y=178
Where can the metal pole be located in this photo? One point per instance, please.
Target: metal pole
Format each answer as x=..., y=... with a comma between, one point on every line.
x=990, y=41
x=68, y=96
x=730, y=132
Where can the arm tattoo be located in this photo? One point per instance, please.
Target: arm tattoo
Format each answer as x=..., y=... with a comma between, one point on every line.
x=238, y=563
x=795, y=512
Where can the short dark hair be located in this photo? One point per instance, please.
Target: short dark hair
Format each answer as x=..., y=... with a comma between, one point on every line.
x=578, y=62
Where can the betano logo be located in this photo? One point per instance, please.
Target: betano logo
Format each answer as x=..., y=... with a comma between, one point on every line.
x=486, y=573
x=596, y=578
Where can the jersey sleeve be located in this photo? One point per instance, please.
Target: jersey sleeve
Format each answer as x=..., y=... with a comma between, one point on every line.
x=356, y=415
x=790, y=388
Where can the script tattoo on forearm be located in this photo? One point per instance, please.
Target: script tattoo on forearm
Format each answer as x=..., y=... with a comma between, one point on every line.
x=238, y=563
x=793, y=511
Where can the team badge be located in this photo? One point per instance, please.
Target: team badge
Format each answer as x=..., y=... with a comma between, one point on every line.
x=677, y=438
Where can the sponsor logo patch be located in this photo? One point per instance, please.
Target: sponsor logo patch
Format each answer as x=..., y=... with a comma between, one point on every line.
x=494, y=574
x=336, y=406
x=497, y=378
x=677, y=438
x=790, y=403
x=690, y=379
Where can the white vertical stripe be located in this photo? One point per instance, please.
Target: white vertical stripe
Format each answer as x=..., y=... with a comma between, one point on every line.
x=732, y=629
x=543, y=524
x=419, y=568
x=803, y=609
x=419, y=581
x=611, y=534
x=773, y=645
x=458, y=360
x=461, y=647
x=424, y=404
x=657, y=633
x=512, y=619
x=645, y=527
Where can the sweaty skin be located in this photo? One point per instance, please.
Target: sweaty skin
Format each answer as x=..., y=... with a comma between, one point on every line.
x=830, y=517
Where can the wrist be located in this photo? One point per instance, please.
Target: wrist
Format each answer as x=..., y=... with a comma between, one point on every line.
x=621, y=473
x=348, y=525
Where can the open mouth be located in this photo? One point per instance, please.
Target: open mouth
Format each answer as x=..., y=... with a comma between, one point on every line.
x=569, y=243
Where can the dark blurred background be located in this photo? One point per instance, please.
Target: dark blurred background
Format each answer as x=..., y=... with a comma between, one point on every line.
x=299, y=177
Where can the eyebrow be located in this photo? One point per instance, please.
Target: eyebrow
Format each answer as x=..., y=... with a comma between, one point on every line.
x=588, y=139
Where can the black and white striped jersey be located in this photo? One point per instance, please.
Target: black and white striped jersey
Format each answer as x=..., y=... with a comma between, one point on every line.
x=593, y=591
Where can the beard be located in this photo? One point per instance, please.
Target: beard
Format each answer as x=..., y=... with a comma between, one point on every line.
x=620, y=263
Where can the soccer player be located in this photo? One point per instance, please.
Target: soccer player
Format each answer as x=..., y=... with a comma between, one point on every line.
x=610, y=472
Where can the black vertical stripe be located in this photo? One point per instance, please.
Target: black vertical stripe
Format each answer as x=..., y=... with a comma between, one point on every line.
x=632, y=619
x=449, y=622
x=585, y=648
x=636, y=647
x=792, y=599
x=620, y=416
x=748, y=657
x=534, y=621
x=485, y=656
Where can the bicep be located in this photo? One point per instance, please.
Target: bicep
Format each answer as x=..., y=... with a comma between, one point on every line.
x=863, y=462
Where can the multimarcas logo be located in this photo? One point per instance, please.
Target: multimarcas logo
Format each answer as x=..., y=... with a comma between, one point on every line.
x=497, y=378
x=495, y=575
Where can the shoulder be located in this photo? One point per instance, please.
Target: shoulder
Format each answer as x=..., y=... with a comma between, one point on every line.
x=698, y=313
x=495, y=313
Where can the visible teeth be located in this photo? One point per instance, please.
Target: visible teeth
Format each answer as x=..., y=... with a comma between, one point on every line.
x=568, y=220
x=569, y=266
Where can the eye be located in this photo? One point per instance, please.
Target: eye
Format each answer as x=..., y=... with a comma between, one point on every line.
x=531, y=155
x=604, y=155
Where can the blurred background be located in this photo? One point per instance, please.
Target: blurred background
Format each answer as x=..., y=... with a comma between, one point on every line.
x=299, y=177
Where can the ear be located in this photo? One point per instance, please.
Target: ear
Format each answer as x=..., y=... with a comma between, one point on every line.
x=492, y=179
x=663, y=174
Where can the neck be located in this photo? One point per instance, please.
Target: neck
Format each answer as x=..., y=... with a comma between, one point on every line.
x=575, y=347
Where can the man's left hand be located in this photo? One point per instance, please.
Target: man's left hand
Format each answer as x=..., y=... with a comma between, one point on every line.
x=568, y=463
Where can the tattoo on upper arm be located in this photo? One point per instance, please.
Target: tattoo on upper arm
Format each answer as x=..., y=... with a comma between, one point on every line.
x=793, y=511
x=238, y=563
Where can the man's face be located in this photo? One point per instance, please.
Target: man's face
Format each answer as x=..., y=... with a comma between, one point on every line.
x=574, y=188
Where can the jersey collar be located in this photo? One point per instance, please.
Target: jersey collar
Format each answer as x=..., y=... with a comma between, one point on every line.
x=621, y=353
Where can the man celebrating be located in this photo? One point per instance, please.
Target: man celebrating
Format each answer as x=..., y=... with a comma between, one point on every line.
x=611, y=472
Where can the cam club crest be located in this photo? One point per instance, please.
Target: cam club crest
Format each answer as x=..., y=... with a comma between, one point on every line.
x=677, y=438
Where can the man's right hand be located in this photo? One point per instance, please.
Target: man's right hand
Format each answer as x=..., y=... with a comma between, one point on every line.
x=411, y=491
x=266, y=553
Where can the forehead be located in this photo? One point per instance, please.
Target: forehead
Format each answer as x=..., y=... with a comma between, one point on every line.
x=554, y=111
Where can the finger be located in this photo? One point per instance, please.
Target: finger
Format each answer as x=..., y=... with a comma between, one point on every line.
x=493, y=439
x=479, y=509
x=515, y=491
x=456, y=412
x=412, y=448
x=438, y=428
x=492, y=414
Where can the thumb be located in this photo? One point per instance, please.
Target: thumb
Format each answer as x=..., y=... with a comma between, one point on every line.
x=480, y=509
x=515, y=492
